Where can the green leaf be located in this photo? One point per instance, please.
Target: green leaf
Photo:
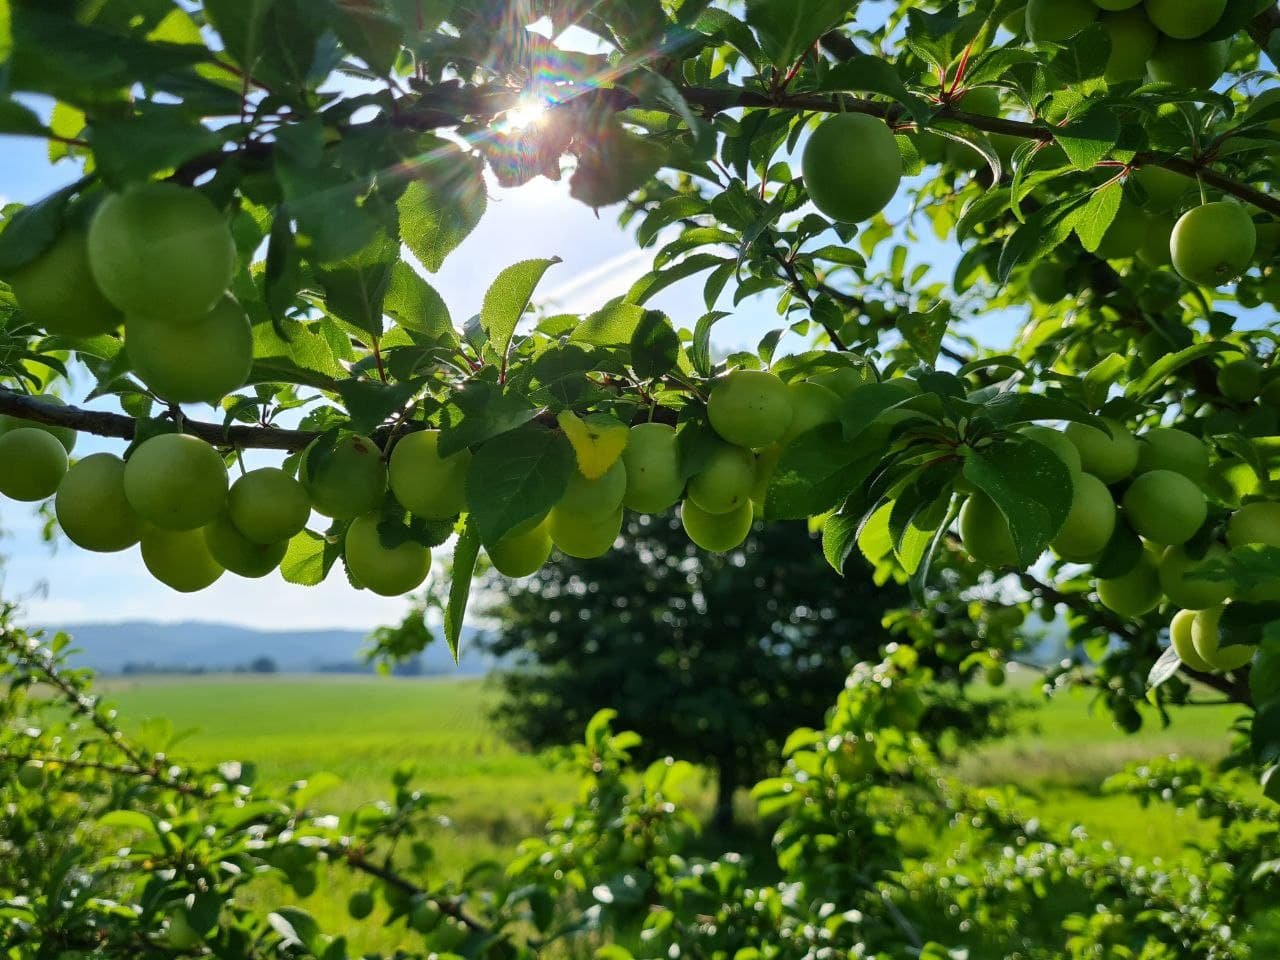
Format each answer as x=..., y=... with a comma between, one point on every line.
x=875, y=75
x=372, y=34
x=417, y=306
x=816, y=472
x=655, y=345
x=787, y=30
x=515, y=477
x=1030, y=485
x=1153, y=378
x=507, y=298
x=861, y=408
x=1245, y=623
x=700, y=349
x=443, y=204
x=15, y=118
x=1089, y=138
x=162, y=139
x=356, y=288
x=1163, y=669
x=1092, y=220
x=924, y=331
x=611, y=326
x=283, y=274
x=465, y=553
x=309, y=558
x=658, y=280
x=370, y=402
x=6, y=33
x=485, y=412
x=30, y=231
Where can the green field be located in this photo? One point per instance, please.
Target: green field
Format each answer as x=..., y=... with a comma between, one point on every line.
x=360, y=729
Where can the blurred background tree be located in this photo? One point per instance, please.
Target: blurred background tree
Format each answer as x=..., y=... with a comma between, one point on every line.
x=711, y=658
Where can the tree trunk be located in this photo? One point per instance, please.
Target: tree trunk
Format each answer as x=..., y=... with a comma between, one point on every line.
x=727, y=783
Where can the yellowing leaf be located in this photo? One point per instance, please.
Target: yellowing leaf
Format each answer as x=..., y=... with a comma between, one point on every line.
x=598, y=441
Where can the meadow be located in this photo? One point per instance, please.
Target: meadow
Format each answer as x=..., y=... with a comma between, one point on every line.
x=360, y=729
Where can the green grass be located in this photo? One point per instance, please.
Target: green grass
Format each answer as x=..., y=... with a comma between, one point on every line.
x=361, y=728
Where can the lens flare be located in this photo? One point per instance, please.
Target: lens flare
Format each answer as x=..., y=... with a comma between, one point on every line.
x=529, y=112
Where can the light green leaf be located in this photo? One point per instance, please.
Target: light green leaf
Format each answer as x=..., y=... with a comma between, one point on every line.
x=465, y=553
x=506, y=299
x=443, y=204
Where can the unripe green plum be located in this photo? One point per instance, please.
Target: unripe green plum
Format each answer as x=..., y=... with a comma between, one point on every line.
x=652, y=461
x=985, y=532
x=1090, y=522
x=1165, y=507
x=1155, y=250
x=851, y=167
x=1194, y=64
x=1182, y=585
x=1213, y=243
x=1057, y=20
x=160, y=250
x=521, y=553
x=1125, y=234
x=985, y=102
x=1164, y=188
x=1163, y=448
x=1180, y=634
x=995, y=675
x=750, y=408
x=65, y=435
x=389, y=571
x=1047, y=281
x=360, y=904
x=1185, y=19
x=1109, y=458
x=31, y=775
x=92, y=509
x=584, y=537
x=1232, y=479
x=180, y=559
x=1206, y=637
x=1240, y=380
x=346, y=480
x=1016, y=22
x=841, y=382
x=426, y=484
x=176, y=481
x=425, y=916
x=1133, y=41
x=725, y=481
x=267, y=505
x=593, y=499
x=56, y=291
x=1058, y=442
x=199, y=361
x=1133, y=593
x=237, y=553
x=717, y=532
x=1257, y=522
x=812, y=405
x=32, y=464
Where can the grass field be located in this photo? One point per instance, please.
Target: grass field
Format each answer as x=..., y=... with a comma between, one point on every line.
x=360, y=728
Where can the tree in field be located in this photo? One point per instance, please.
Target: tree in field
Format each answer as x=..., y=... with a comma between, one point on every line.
x=713, y=658
x=255, y=194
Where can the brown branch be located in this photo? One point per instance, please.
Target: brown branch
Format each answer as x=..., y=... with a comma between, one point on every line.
x=355, y=859
x=1263, y=25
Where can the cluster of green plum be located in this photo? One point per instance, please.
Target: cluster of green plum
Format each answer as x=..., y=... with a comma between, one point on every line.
x=156, y=258
x=1140, y=514
x=1164, y=40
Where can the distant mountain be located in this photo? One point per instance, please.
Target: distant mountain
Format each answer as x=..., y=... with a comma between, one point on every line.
x=108, y=647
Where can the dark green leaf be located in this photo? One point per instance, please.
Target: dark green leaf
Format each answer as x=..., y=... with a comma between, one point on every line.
x=1030, y=485
x=465, y=553
x=816, y=472
x=515, y=477
x=655, y=346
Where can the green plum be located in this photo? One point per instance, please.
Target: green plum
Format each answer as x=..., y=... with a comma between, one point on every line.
x=344, y=479
x=425, y=483
x=851, y=166
x=1163, y=448
x=1125, y=234
x=237, y=553
x=176, y=481
x=1213, y=243
x=1165, y=507
x=200, y=361
x=1109, y=458
x=1057, y=20
x=1164, y=188
x=1183, y=586
x=1206, y=637
x=1047, y=281
x=161, y=250
x=1240, y=380
x=581, y=536
x=652, y=462
x=1089, y=524
x=1185, y=19
x=360, y=904
x=1155, y=249
x=984, y=531
x=750, y=408
x=1194, y=64
x=842, y=382
x=180, y=559
x=521, y=553
x=725, y=481
x=1180, y=635
x=66, y=435
x=92, y=509
x=387, y=568
x=716, y=532
x=1058, y=443
x=593, y=499
x=1133, y=593
x=32, y=464
x=56, y=291
x=267, y=505
x=812, y=405
x=1133, y=41
x=1256, y=522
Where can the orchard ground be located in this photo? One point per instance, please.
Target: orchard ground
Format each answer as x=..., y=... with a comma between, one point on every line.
x=359, y=729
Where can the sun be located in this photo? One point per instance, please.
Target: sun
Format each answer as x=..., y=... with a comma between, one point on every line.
x=528, y=112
